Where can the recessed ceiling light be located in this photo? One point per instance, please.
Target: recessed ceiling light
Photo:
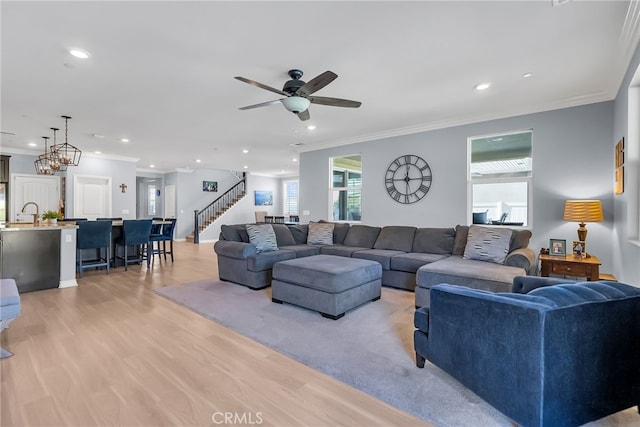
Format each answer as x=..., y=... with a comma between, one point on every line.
x=152, y=166
x=482, y=86
x=198, y=160
x=311, y=127
x=79, y=53
x=525, y=75
x=97, y=135
x=33, y=144
x=294, y=160
x=246, y=167
x=245, y=151
x=282, y=171
x=125, y=140
x=98, y=152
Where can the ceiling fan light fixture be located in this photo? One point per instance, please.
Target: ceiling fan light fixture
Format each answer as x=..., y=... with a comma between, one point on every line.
x=296, y=104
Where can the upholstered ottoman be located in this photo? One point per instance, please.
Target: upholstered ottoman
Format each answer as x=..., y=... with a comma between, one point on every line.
x=329, y=284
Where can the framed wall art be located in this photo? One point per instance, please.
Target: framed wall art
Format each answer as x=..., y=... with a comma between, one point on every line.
x=209, y=186
x=263, y=198
x=618, y=186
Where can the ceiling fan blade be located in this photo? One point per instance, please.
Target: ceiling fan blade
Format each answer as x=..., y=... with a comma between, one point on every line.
x=262, y=104
x=316, y=83
x=304, y=115
x=334, y=102
x=260, y=85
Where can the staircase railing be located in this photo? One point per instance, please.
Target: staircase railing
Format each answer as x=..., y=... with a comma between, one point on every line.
x=213, y=210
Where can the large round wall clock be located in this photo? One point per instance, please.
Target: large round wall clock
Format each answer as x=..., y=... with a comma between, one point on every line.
x=408, y=179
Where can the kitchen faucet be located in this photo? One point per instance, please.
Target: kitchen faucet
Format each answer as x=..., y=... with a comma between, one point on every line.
x=35, y=215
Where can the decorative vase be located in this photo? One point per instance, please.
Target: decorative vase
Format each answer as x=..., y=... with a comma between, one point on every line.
x=53, y=221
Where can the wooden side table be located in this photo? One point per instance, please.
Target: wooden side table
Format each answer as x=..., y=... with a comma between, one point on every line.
x=571, y=265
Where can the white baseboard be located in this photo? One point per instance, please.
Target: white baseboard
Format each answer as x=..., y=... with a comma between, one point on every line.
x=68, y=283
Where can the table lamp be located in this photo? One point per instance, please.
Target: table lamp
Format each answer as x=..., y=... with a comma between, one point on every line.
x=583, y=211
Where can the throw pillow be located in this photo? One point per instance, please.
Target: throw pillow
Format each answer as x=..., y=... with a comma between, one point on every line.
x=487, y=244
x=320, y=233
x=262, y=237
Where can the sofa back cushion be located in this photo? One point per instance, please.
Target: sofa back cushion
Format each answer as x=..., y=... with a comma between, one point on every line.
x=434, y=240
x=488, y=244
x=520, y=239
x=320, y=233
x=460, y=242
x=363, y=236
x=234, y=233
x=395, y=237
x=263, y=237
x=283, y=235
x=299, y=233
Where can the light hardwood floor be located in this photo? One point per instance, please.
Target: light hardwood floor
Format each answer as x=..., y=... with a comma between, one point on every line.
x=112, y=352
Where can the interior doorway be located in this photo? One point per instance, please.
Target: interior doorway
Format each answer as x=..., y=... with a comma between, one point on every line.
x=92, y=196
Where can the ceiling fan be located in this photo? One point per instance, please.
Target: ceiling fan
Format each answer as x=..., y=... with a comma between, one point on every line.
x=297, y=94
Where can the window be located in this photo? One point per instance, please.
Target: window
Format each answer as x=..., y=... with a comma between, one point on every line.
x=346, y=188
x=500, y=178
x=290, y=192
x=151, y=206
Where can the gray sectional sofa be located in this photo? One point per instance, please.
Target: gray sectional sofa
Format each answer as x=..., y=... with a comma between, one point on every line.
x=412, y=258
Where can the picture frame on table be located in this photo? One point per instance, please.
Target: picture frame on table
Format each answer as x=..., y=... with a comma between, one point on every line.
x=579, y=248
x=557, y=247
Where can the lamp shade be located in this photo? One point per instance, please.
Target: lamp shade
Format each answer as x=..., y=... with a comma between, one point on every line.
x=296, y=104
x=583, y=211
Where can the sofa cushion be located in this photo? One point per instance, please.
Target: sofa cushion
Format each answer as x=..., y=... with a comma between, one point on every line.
x=395, y=237
x=340, y=231
x=519, y=239
x=234, y=233
x=460, y=242
x=467, y=272
x=299, y=233
x=362, y=236
x=412, y=261
x=577, y=293
x=262, y=237
x=341, y=250
x=434, y=240
x=302, y=250
x=381, y=256
x=320, y=233
x=489, y=244
x=283, y=235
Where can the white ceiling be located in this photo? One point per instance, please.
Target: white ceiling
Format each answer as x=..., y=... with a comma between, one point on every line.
x=161, y=73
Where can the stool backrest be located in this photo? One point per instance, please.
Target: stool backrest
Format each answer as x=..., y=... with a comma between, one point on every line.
x=136, y=231
x=93, y=234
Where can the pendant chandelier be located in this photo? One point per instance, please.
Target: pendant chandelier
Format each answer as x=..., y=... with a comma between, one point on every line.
x=54, y=158
x=67, y=154
x=43, y=164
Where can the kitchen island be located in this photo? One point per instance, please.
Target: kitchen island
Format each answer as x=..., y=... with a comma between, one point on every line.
x=39, y=256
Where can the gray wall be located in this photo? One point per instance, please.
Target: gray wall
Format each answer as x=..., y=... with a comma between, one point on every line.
x=572, y=159
x=626, y=207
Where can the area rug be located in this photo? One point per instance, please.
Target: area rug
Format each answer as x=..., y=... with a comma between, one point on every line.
x=370, y=348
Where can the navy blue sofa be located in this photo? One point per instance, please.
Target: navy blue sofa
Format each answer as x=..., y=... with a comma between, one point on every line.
x=559, y=355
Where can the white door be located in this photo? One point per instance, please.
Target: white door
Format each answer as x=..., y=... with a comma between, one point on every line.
x=42, y=189
x=91, y=196
x=170, y=201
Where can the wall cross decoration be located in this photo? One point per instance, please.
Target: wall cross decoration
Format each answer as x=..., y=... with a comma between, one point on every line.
x=123, y=188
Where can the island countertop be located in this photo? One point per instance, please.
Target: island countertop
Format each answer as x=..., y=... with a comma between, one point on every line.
x=22, y=226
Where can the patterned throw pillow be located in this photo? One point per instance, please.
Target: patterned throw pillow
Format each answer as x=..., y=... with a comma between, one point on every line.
x=320, y=233
x=262, y=237
x=487, y=244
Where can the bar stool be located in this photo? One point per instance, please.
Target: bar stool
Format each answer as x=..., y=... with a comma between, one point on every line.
x=166, y=236
x=93, y=235
x=135, y=232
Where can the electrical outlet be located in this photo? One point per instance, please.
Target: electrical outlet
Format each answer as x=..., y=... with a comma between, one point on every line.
x=306, y=213
x=125, y=211
x=67, y=238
